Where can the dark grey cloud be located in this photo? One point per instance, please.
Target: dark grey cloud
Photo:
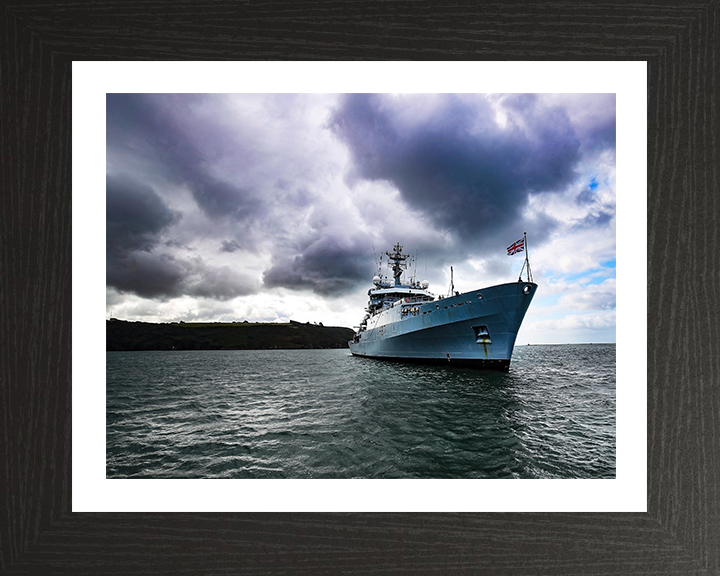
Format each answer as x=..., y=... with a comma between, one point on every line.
x=164, y=276
x=593, y=117
x=468, y=175
x=145, y=274
x=230, y=246
x=598, y=219
x=601, y=136
x=135, y=215
x=136, y=218
x=183, y=147
x=328, y=266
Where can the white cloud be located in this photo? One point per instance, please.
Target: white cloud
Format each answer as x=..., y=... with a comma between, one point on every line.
x=594, y=321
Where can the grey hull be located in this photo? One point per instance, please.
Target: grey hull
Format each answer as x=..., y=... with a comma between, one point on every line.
x=477, y=328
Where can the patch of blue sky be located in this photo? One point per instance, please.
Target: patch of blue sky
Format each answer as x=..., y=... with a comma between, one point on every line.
x=546, y=301
x=593, y=183
x=595, y=275
x=587, y=278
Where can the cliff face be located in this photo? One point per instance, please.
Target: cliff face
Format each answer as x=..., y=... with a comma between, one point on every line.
x=122, y=335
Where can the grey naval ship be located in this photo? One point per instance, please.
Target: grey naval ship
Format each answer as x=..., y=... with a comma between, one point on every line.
x=406, y=322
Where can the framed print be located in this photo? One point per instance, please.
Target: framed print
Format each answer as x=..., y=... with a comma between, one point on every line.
x=675, y=527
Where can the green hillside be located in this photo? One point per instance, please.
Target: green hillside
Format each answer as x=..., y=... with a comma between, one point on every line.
x=123, y=335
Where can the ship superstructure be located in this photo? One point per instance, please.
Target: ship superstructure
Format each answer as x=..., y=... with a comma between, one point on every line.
x=407, y=322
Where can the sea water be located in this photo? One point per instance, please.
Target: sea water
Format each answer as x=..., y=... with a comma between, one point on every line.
x=328, y=414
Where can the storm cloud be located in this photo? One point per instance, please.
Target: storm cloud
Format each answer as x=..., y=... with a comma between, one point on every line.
x=135, y=215
x=281, y=205
x=136, y=219
x=172, y=132
x=455, y=163
x=328, y=266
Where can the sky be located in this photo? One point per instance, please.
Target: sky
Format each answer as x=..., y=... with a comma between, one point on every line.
x=271, y=207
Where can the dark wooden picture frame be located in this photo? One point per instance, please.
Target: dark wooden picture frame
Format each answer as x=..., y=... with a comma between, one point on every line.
x=680, y=533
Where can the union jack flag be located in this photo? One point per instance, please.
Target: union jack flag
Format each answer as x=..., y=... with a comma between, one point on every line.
x=516, y=247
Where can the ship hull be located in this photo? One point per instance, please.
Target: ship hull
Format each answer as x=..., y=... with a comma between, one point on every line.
x=476, y=328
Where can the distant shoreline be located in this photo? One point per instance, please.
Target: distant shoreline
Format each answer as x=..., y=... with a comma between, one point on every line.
x=126, y=336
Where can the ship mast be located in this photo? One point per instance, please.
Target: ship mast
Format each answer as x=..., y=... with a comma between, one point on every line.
x=398, y=261
x=526, y=264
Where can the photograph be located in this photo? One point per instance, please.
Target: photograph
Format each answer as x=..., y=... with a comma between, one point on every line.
x=361, y=285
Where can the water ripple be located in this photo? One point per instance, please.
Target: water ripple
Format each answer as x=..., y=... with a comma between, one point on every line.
x=327, y=414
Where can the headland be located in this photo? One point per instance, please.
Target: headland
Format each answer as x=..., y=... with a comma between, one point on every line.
x=122, y=335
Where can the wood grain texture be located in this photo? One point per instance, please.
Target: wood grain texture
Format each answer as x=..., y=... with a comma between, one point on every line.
x=680, y=534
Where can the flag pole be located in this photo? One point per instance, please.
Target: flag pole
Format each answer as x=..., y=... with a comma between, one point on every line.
x=527, y=257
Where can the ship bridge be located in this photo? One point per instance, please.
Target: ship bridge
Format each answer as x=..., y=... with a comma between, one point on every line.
x=386, y=295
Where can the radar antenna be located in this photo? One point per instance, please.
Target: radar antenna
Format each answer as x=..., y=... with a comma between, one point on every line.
x=398, y=262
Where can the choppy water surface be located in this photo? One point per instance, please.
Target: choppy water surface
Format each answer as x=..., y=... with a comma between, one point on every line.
x=327, y=414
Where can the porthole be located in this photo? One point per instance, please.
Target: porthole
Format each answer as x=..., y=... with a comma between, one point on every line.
x=527, y=289
x=479, y=296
